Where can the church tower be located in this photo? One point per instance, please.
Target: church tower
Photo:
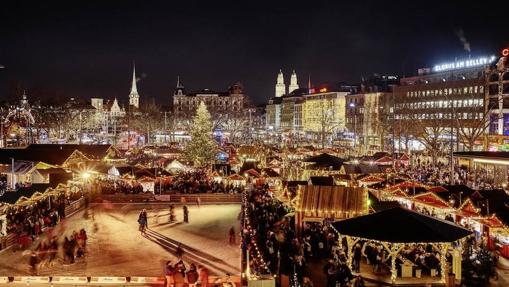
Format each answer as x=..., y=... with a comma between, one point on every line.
x=134, y=97
x=293, y=83
x=179, y=90
x=280, y=85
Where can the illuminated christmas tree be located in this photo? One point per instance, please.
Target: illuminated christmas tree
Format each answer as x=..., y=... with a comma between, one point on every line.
x=202, y=148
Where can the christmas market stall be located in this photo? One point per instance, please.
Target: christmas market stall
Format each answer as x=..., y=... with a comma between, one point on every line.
x=318, y=203
x=401, y=233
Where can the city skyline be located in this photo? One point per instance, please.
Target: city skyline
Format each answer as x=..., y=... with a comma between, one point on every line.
x=87, y=50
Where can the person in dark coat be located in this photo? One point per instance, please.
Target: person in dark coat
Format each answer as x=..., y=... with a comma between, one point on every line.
x=186, y=214
x=192, y=275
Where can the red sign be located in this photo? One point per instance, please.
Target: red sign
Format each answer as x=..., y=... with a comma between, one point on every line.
x=505, y=52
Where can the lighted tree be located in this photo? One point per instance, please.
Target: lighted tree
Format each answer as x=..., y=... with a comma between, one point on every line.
x=201, y=149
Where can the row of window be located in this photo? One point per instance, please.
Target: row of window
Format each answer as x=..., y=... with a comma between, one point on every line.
x=208, y=102
x=447, y=91
x=442, y=104
x=470, y=116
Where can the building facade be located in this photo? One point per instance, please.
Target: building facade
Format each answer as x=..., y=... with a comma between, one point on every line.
x=232, y=103
x=444, y=107
x=324, y=114
x=497, y=98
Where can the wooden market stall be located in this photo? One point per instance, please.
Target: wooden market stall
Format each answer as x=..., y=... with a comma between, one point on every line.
x=316, y=203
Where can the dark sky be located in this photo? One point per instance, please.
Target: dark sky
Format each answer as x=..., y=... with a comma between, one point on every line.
x=86, y=48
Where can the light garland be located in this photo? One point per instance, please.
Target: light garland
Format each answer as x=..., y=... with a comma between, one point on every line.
x=251, y=232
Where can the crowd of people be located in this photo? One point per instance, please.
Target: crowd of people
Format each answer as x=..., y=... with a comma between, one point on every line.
x=199, y=181
x=287, y=253
x=30, y=220
x=179, y=276
x=439, y=173
x=50, y=247
x=110, y=186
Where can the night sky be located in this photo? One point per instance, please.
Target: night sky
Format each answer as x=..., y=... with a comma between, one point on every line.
x=66, y=49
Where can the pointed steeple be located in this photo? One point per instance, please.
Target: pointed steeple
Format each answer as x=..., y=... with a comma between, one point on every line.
x=179, y=90
x=134, y=89
x=134, y=97
x=293, y=83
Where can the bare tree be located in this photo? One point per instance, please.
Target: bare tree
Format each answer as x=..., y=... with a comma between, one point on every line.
x=428, y=129
x=471, y=120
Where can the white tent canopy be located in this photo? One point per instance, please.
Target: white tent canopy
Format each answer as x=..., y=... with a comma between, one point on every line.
x=176, y=166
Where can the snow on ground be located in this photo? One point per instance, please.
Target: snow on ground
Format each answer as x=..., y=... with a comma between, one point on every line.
x=116, y=248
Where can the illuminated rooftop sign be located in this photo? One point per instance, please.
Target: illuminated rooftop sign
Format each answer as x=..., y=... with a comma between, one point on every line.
x=474, y=62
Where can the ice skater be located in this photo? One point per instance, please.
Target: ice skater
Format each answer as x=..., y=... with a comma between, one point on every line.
x=186, y=214
x=172, y=218
x=231, y=235
x=143, y=221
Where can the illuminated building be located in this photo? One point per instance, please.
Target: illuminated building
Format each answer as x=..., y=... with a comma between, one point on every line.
x=449, y=96
x=233, y=102
x=274, y=109
x=498, y=98
x=273, y=114
x=280, y=85
x=367, y=110
x=291, y=111
x=323, y=113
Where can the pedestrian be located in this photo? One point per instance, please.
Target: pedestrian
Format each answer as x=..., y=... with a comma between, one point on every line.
x=179, y=251
x=192, y=275
x=172, y=214
x=169, y=272
x=358, y=282
x=186, y=214
x=357, y=258
x=306, y=282
x=33, y=262
x=180, y=274
x=143, y=221
x=231, y=237
x=203, y=273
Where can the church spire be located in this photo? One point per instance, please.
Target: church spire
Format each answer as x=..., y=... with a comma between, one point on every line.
x=280, y=84
x=293, y=83
x=134, y=97
x=134, y=89
x=179, y=90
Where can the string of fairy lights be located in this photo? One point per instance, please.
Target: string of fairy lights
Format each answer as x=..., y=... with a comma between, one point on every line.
x=252, y=234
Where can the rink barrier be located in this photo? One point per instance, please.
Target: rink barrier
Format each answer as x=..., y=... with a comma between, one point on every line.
x=146, y=280
x=108, y=280
x=69, y=280
x=31, y=279
x=4, y=279
x=205, y=198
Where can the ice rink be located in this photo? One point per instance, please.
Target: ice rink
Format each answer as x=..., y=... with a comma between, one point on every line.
x=115, y=247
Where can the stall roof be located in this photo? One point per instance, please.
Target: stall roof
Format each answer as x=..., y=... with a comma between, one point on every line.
x=321, y=180
x=325, y=160
x=504, y=155
x=400, y=225
x=12, y=197
x=53, y=154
